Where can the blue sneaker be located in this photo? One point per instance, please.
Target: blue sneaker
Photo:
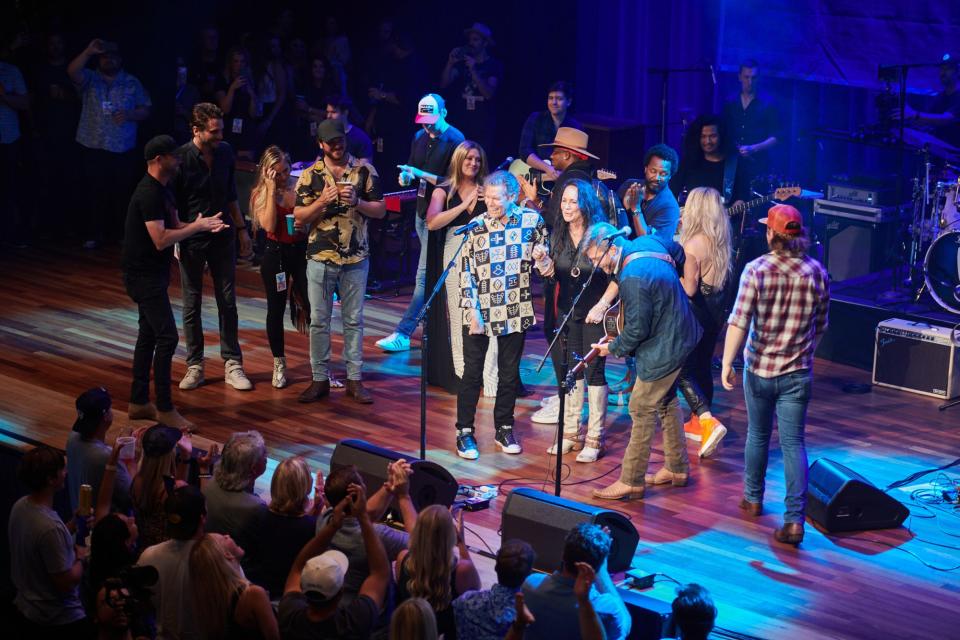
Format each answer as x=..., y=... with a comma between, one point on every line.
x=467, y=446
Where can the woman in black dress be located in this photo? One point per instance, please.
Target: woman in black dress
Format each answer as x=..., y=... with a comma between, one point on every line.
x=580, y=208
x=454, y=203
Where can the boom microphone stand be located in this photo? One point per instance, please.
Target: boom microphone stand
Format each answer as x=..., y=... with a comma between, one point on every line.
x=562, y=381
x=425, y=343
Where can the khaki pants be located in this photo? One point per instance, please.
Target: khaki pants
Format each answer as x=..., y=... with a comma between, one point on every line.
x=650, y=401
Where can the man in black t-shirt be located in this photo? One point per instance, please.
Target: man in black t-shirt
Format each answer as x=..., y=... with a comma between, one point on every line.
x=752, y=122
x=430, y=154
x=472, y=76
x=943, y=114
x=311, y=607
x=709, y=162
x=152, y=227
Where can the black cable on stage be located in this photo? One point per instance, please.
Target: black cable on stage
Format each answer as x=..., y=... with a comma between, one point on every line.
x=913, y=477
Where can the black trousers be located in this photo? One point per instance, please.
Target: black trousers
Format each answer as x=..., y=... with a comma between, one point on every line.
x=219, y=251
x=510, y=350
x=580, y=335
x=696, y=374
x=108, y=179
x=156, y=340
x=286, y=258
x=11, y=192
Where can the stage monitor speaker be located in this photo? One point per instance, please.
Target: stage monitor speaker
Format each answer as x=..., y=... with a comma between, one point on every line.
x=544, y=520
x=429, y=484
x=840, y=499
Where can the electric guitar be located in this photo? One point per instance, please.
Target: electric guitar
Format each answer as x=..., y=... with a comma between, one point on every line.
x=520, y=168
x=783, y=193
x=612, y=326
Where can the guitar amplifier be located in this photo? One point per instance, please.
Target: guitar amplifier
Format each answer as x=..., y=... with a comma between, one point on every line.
x=917, y=357
x=857, y=240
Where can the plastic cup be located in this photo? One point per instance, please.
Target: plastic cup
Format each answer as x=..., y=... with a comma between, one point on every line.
x=127, y=447
x=290, y=224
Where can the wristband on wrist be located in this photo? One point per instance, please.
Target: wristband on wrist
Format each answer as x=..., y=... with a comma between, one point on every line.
x=110, y=467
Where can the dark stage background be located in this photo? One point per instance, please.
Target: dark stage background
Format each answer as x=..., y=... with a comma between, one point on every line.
x=819, y=58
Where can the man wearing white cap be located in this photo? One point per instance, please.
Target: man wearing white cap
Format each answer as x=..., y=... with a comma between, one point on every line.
x=430, y=154
x=310, y=607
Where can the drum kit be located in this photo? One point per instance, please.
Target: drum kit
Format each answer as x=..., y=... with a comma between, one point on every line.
x=935, y=229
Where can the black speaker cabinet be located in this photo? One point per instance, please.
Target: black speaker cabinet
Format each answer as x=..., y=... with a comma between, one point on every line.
x=544, y=520
x=857, y=240
x=429, y=484
x=839, y=499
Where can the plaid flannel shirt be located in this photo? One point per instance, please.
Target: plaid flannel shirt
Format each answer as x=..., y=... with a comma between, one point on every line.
x=495, y=277
x=783, y=303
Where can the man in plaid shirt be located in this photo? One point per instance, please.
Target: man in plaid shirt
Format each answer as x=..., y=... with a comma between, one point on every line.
x=785, y=295
x=495, y=282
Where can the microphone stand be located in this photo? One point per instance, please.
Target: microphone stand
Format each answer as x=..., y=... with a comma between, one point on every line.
x=562, y=381
x=665, y=74
x=425, y=344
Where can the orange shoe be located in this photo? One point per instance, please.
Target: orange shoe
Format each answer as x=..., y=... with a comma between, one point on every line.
x=692, y=428
x=712, y=432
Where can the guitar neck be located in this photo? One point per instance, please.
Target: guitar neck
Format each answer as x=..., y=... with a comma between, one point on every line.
x=743, y=206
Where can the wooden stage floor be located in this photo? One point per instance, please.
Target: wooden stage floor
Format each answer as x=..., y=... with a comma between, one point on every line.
x=66, y=325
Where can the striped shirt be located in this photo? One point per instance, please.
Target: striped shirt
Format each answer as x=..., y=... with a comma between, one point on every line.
x=783, y=303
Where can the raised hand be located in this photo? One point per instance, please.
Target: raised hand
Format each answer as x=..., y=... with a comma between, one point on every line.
x=585, y=578
x=632, y=197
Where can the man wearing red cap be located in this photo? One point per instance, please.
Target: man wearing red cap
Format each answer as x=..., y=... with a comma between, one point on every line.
x=783, y=301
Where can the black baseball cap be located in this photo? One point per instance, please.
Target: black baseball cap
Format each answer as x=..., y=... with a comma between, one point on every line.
x=183, y=509
x=158, y=146
x=92, y=405
x=160, y=440
x=329, y=130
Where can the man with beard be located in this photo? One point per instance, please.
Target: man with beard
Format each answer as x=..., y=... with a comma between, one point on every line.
x=541, y=127
x=707, y=163
x=651, y=203
x=112, y=103
x=335, y=197
x=153, y=226
x=206, y=186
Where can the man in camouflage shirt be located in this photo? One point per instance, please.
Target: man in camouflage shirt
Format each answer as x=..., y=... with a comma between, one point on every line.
x=335, y=197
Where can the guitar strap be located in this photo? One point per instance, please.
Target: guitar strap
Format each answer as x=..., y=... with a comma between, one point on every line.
x=666, y=257
x=729, y=176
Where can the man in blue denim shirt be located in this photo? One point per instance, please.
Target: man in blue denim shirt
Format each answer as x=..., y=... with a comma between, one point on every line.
x=659, y=330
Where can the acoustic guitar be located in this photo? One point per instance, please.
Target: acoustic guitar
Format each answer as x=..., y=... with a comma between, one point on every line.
x=612, y=326
x=520, y=168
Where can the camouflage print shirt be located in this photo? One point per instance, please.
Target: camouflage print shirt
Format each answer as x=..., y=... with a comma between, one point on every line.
x=495, y=277
x=339, y=235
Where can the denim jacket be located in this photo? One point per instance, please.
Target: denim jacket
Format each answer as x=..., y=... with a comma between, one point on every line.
x=659, y=327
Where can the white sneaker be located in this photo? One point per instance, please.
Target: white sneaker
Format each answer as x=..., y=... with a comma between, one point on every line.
x=549, y=414
x=193, y=378
x=279, y=373
x=546, y=401
x=234, y=376
x=394, y=342
x=589, y=454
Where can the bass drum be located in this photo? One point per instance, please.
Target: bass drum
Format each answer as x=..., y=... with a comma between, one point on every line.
x=941, y=271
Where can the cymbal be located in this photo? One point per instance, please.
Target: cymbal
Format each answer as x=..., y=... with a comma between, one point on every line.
x=936, y=146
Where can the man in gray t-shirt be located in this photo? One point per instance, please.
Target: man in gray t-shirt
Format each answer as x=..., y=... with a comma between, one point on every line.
x=87, y=453
x=44, y=565
x=232, y=506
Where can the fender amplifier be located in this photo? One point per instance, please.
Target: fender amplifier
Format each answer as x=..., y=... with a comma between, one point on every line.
x=917, y=357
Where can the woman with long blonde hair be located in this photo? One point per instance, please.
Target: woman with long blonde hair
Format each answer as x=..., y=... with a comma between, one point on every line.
x=706, y=239
x=284, y=265
x=413, y=619
x=454, y=203
x=432, y=571
x=289, y=523
x=227, y=605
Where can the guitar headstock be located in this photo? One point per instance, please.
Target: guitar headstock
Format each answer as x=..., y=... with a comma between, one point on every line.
x=606, y=174
x=785, y=192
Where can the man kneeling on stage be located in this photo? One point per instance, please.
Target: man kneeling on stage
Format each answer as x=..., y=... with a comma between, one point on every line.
x=496, y=302
x=659, y=330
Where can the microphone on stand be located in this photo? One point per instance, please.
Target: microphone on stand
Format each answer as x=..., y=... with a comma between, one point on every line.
x=622, y=232
x=503, y=165
x=470, y=226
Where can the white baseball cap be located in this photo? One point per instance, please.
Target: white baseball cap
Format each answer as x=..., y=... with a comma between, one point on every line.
x=322, y=576
x=429, y=109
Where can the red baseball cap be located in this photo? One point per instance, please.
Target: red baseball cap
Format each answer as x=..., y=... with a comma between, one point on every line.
x=784, y=219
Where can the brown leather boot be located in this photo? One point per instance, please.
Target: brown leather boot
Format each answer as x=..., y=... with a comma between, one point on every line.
x=752, y=508
x=358, y=392
x=318, y=390
x=789, y=533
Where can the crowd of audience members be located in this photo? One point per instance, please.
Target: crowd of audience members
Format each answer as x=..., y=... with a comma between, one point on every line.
x=177, y=544
x=66, y=103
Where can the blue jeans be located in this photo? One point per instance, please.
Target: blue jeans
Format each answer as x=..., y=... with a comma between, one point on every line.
x=788, y=395
x=408, y=322
x=322, y=280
